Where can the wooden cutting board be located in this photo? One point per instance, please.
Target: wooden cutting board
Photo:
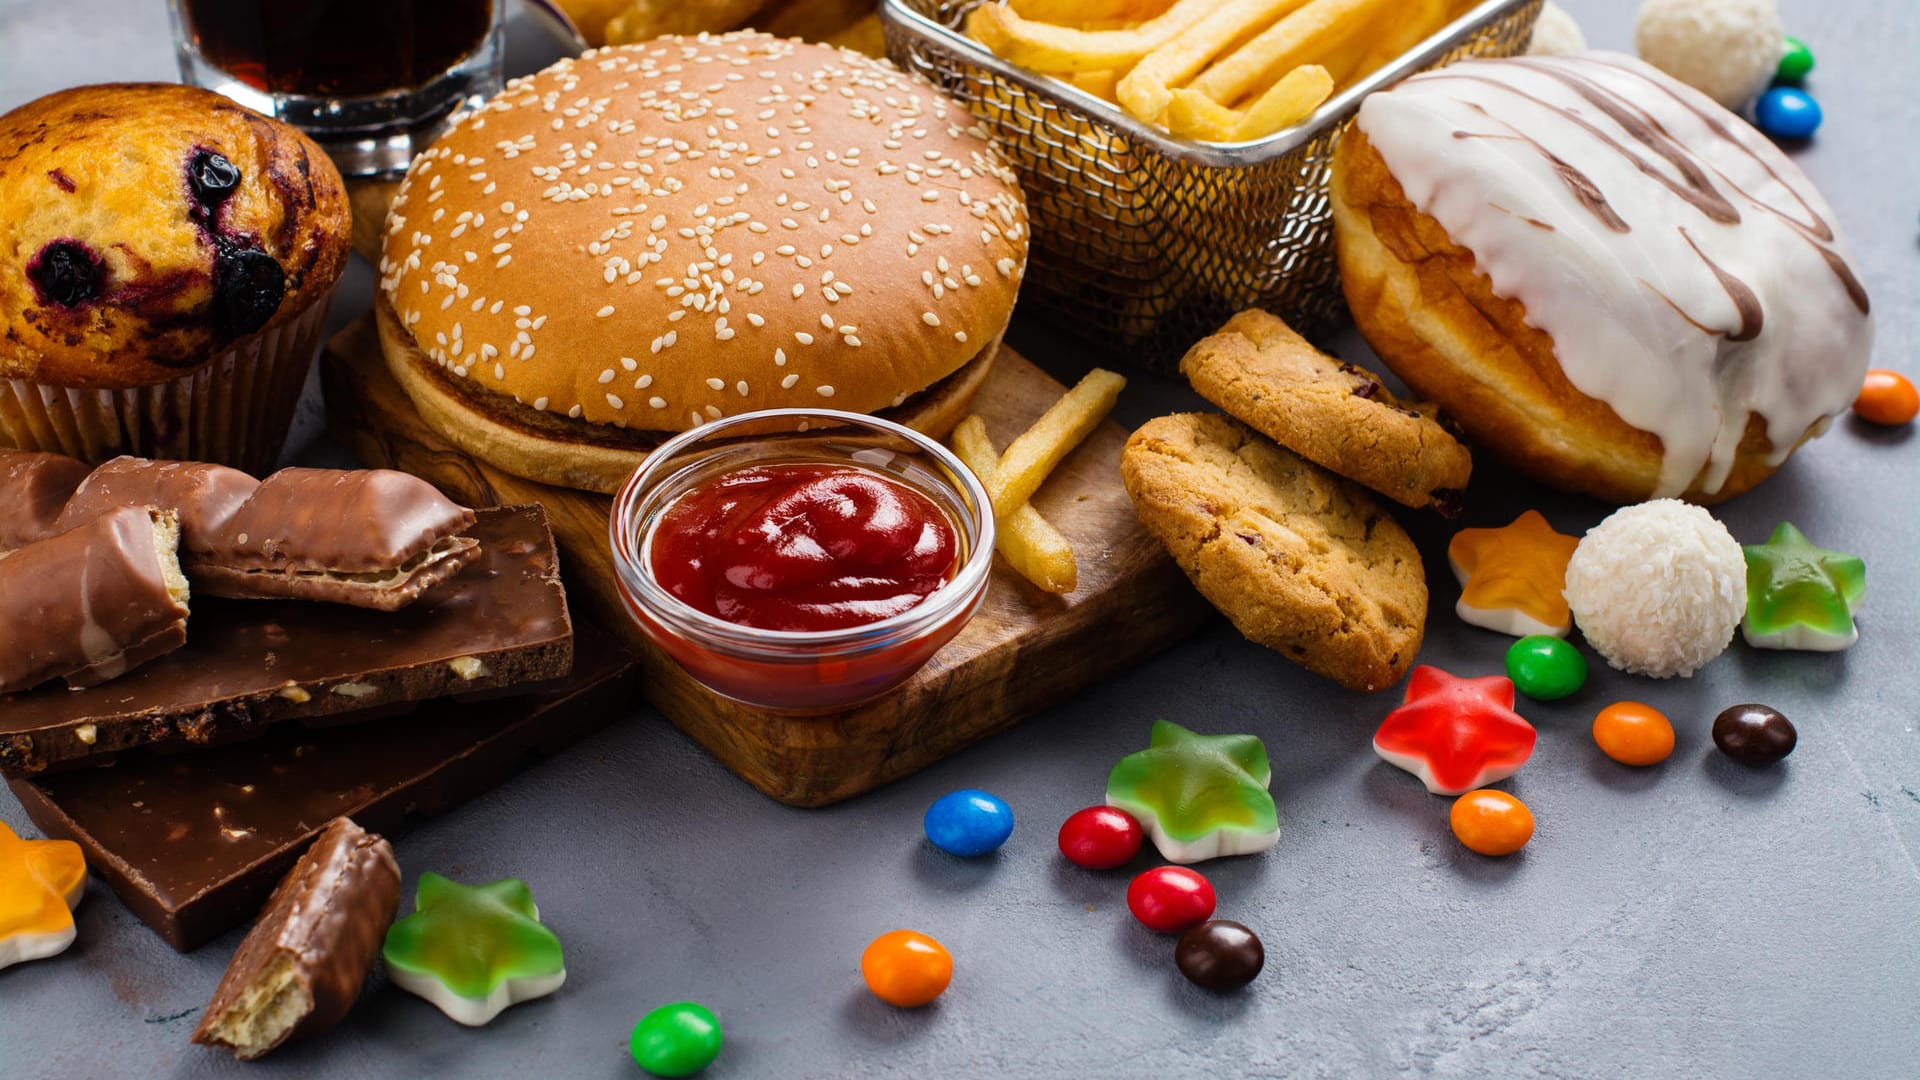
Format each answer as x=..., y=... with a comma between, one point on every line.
x=1024, y=651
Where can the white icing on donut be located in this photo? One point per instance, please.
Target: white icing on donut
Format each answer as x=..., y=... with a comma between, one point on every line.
x=1688, y=273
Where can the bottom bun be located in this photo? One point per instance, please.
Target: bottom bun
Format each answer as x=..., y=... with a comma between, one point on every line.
x=1422, y=304
x=553, y=449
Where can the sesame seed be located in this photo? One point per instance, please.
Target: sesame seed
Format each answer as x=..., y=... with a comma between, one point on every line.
x=741, y=386
x=930, y=318
x=658, y=402
x=960, y=336
x=716, y=384
x=780, y=358
x=823, y=391
x=614, y=400
x=803, y=337
x=606, y=376
x=787, y=383
x=540, y=404
x=605, y=311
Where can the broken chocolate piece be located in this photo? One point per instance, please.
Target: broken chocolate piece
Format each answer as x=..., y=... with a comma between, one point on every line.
x=371, y=538
x=192, y=843
x=91, y=604
x=33, y=488
x=300, y=968
x=499, y=623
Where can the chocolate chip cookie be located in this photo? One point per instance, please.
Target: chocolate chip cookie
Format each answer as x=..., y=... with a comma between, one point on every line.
x=1300, y=560
x=1333, y=414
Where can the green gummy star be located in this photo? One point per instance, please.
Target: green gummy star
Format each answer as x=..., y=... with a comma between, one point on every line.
x=1198, y=796
x=473, y=950
x=1800, y=596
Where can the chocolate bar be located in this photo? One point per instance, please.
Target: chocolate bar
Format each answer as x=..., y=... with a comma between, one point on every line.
x=366, y=537
x=300, y=968
x=500, y=622
x=33, y=488
x=91, y=604
x=192, y=843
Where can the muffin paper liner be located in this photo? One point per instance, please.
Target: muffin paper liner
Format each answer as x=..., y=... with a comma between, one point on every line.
x=234, y=410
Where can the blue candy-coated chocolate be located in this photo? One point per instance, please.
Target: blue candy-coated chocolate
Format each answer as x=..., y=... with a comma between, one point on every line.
x=1786, y=112
x=969, y=822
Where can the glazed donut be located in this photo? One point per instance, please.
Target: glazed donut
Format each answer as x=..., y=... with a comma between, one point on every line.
x=1607, y=279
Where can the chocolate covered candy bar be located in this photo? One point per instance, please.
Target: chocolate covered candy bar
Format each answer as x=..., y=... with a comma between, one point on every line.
x=500, y=622
x=91, y=604
x=33, y=488
x=192, y=843
x=298, y=971
x=366, y=537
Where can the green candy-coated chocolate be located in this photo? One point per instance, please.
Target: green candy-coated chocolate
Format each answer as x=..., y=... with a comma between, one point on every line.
x=1795, y=63
x=676, y=1040
x=1545, y=668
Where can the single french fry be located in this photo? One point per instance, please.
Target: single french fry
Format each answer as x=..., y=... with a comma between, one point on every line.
x=1316, y=33
x=1148, y=88
x=1029, y=543
x=1291, y=100
x=1082, y=14
x=1062, y=50
x=1098, y=83
x=1065, y=424
x=1193, y=115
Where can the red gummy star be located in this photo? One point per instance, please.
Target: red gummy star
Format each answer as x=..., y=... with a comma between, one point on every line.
x=1456, y=734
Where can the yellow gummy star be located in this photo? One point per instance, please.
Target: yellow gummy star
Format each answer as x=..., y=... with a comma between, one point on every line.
x=1513, y=578
x=40, y=882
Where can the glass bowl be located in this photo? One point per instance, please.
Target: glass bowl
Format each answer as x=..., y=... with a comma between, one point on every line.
x=801, y=671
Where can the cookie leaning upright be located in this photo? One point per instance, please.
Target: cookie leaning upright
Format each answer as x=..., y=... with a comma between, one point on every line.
x=1333, y=414
x=166, y=257
x=1300, y=560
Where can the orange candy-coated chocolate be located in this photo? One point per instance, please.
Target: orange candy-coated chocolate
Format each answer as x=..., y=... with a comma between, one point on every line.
x=1512, y=577
x=1633, y=734
x=1887, y=397
x=906, y=968
x=1491, y=822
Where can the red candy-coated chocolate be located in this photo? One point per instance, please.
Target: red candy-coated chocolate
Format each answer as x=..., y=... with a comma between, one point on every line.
x=1100, y=837
x=1456, y=734
x=1170, y=899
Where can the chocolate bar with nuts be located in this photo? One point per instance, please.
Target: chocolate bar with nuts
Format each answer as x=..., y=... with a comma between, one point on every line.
x=93, y=603
x=370, y=538
x=300, y=968
x=193, y=843
x=501, y=622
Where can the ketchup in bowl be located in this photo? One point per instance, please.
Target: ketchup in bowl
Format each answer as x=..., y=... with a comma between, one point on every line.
x=803, y=547
x=802, y=561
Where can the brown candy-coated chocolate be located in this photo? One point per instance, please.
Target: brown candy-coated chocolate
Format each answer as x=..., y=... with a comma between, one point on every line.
x=33, y=488
x=501, y=622
x=367, y=537
x=1754, y=734
x=192, y=843
x=1220, y=955
x=313, y=946
x=91, y=604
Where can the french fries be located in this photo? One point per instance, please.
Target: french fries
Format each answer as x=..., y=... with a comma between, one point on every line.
x=1211, y=70
x=1029, y=543
x=1065, y=424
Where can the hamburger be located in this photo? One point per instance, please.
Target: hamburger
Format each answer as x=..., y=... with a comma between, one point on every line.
x=650, y=237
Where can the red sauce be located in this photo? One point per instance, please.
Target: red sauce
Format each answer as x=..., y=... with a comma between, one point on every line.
x=804, y=547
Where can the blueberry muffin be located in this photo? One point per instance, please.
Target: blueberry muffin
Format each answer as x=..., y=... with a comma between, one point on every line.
x=166, y=257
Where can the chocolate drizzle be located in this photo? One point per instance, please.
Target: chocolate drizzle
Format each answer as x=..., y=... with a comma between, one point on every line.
x=1752, y=318
x=1584, y=190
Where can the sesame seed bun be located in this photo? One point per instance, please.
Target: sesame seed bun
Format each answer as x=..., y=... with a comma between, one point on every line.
x=654, y=236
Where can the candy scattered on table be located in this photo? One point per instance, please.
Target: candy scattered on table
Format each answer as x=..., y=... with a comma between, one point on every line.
x=1800, y=596
x=1887, y=397
x=1220, y=955
x=676, y=1040
x=1455, y=734
x=1170, y=898
x=1100, y=837
x=1754, y=734
x=1658, y=588
x=1545, y=668
x=1491, y=822
x=1512, y=578
x=1633, y=733
x=1787, y=112
x=1198, y=796
x=906, y=968
x=1726, y=49
x=1796, y=63
x=41, y=882
x=474, y=950
x=969, y=822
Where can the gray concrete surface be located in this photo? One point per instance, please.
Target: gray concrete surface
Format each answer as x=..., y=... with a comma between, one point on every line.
x=1692, y=920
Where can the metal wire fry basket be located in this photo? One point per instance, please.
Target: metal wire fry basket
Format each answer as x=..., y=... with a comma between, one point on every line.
x=1146, y=241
